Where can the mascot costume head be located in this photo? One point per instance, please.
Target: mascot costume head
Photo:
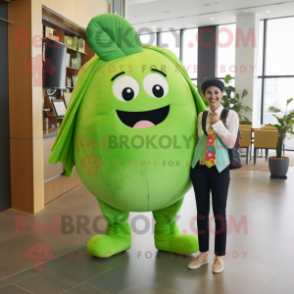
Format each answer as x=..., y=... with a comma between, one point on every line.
x=130, y=131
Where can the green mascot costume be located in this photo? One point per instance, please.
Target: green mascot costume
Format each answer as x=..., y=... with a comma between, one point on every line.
x=129, y=130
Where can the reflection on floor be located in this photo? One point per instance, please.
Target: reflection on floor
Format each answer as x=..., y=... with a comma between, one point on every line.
x=260, y=256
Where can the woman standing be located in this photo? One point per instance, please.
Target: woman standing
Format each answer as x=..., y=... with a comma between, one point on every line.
x=210, y=170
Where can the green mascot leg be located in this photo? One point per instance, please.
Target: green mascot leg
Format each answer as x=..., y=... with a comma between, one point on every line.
x=117, y=237
x=167, y=235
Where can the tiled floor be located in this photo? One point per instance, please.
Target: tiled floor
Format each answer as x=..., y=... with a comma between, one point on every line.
x=260, y=251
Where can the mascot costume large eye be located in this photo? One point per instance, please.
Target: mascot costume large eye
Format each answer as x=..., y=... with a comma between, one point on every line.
x=130, y=131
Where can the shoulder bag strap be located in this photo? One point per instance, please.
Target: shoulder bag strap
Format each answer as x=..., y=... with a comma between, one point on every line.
x=204, y=118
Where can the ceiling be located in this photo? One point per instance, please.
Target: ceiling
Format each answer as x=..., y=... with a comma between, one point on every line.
x=177, y=14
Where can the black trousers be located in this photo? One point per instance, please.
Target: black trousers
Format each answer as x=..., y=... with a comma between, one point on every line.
x=204, y=180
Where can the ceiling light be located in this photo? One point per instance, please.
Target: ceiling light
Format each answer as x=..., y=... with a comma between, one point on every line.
x=212, y=18
x=267, y=11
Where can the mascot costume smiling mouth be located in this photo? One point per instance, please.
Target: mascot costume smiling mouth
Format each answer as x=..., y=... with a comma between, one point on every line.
x=133, y=110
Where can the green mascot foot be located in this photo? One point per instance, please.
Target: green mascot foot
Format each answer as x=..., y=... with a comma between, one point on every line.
x=167, y=235
x=168, y=238
x=116, y=239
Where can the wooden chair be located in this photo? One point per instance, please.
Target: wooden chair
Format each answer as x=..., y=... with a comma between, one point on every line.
x=265, y=139
x=268, y=128
x=247, y=127
x=245, y=142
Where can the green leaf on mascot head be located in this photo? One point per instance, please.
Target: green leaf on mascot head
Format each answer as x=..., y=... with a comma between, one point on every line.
x=111, y=36
x=62, y=149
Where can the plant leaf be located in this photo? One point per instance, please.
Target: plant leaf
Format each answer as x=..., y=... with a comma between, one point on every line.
x=274, y=109
x=289, y=101
x=111, y=37
x=233, y=100
x=245, y=92
x=279, y=119
x=227, y=79
x=226, y=104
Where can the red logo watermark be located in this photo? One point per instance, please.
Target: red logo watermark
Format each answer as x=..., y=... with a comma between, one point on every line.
x=82, y=224
x=39, y=253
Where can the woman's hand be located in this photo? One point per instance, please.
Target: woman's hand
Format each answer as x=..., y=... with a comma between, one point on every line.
x=214, y=118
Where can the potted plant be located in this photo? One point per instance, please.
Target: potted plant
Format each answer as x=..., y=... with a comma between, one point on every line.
x=229, y=102
x=279, y=164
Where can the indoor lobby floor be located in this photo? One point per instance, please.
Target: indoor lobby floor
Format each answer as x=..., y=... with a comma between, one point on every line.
x=260, y=250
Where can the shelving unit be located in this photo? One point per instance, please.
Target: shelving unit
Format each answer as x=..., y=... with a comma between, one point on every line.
x=70, y=49
x=54, y=181
x=63, y=27
x=71, y=68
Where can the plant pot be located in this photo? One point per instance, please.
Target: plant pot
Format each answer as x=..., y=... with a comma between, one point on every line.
x=278, y=167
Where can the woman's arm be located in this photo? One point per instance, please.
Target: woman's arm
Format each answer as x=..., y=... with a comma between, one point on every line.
x=228, y=135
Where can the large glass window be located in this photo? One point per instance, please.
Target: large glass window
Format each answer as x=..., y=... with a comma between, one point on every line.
x=171, y=41
x=190, y=52
x=225, y=42
x=149, y=39
x=280, y=47
x=260, y=47
x=279, y=50
x=276, y=92
x=279, y=61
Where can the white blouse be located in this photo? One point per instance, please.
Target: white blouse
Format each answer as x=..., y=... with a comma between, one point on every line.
x=227, y=135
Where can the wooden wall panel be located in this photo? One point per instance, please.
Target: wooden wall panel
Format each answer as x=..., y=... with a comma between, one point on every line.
x=37, y=34
x=38, y=174
x=27, y=177
x=60, y=185
x=37, y=115
x=25, y=107
x=20, y=79
x=51, y=170
x=25, y=98
x=22, y=174
x=78, y=11
x=25, y=89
